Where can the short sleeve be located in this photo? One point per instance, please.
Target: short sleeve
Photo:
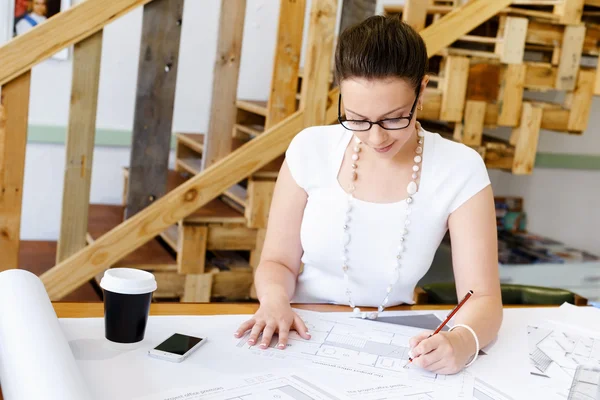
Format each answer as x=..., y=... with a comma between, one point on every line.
x=298, y=157
x=473, y=178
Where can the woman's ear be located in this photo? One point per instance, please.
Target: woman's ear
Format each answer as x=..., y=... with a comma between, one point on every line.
x=424, y=84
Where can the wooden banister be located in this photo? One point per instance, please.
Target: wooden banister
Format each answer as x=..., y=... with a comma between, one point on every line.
x=71, y=26
x=199, y=190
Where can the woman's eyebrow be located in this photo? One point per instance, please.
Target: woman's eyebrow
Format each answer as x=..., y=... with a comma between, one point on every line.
x=387, y=113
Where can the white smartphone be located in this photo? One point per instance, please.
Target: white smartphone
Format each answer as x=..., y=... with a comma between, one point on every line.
x=177, y=347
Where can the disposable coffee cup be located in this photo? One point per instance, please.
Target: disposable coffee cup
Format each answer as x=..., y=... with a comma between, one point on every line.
x=127, y=298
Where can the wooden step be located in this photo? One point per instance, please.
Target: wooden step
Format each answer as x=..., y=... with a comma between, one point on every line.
x=192, y=161
x=258, y=107
x=38, y=257
x=102, y=218
x=242, y=131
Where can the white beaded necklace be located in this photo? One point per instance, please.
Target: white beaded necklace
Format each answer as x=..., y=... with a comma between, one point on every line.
x=411, y=189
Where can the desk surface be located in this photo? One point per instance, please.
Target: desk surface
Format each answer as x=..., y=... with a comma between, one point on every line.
x=88, y=310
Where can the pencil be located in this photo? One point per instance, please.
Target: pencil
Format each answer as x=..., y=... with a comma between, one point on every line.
x=448, y=318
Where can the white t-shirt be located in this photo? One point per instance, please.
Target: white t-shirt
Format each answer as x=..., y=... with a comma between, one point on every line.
x=451, y=174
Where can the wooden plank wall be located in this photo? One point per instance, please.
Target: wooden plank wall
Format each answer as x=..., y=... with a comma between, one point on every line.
x=80, y=146
x=225, y=82
x=14, y=112
x=157, y=76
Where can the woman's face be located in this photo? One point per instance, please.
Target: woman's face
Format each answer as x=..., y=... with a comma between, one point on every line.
x=378, y=99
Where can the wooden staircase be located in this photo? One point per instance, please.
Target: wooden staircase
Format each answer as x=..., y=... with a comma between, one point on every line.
x=191, y=214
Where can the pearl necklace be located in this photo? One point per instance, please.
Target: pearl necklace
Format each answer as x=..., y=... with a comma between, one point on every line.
x=411, y=189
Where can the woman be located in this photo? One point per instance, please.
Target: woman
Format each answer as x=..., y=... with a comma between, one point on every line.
x=365, y=204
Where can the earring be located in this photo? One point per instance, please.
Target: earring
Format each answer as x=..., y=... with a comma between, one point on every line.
x=421, y=107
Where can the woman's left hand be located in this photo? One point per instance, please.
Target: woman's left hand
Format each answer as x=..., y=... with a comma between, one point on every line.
x=444, y=353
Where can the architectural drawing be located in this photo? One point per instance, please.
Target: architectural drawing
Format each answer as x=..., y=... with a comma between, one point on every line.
x=363, y=347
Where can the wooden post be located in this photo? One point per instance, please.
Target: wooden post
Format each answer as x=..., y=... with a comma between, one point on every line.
x=197, y=288
x=511, y=94
x=313, y=99
x=580, y=101
x=282, y=100
x=14, y=113
x=415, y=14
x=356, y=11
x=454, y=89
x=473, y=125
x=512, y=45
x=157, y=75
x=570, y=57
x=260, y=193
x=569, y=11
x=191, y=252
x=527, y=139
x=80, y=146
x=225, y=82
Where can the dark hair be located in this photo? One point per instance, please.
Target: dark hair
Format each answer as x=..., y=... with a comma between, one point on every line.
x=381, y=47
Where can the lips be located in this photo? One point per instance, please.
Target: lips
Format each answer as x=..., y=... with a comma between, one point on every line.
x=383, y=149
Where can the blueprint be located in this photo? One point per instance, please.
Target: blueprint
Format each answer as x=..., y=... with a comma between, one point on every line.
x=365, y=348
x=288, y=386
x=557, y=350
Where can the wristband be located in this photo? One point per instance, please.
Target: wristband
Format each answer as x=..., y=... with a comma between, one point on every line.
x=476, y=341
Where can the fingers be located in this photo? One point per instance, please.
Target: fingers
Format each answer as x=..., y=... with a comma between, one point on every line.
x=267, y=335
x=284, y=331
x=256, y=330
x=427, y=360
x=244, y=327
x=301, y=328
x=427, y=345
x=417, y=339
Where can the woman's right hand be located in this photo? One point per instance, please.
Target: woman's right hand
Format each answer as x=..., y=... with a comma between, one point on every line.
x=275, y=315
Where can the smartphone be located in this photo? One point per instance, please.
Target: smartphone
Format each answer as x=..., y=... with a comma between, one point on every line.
x=177, y=347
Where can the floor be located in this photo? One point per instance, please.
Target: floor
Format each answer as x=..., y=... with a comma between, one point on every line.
x=38, y=257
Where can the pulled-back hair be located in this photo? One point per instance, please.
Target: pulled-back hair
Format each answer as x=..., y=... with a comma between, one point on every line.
x=381, y=47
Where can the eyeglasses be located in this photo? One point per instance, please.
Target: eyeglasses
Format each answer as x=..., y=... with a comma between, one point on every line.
x=388, y=123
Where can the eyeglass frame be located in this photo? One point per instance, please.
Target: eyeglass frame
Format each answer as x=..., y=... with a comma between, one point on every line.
x=380, y=122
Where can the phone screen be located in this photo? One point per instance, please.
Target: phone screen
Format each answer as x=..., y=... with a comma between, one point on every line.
x=178, y=344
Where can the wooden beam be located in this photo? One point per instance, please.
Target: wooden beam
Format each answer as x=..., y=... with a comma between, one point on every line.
x=527, y=140
x=473, y=122
x=460, y=22
x=314, y=94
x=14, y=112
x=484, y=82
x=415, y=13
x=597, y=85
x=217, y=143
x=166, y=211
x=580, y=101
x=64, y=29
x=191, y=252
x=456, y=76
x=595, y=3
x=569, y=11
x=512, y=46
x=511, y=95
x=260, y=193
x=282, y=100
x=356, y=11
x=198, y=288
x=540, y=76
x=556, y=119
x=570, y=57
x=80, y=146
x=155, y=97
